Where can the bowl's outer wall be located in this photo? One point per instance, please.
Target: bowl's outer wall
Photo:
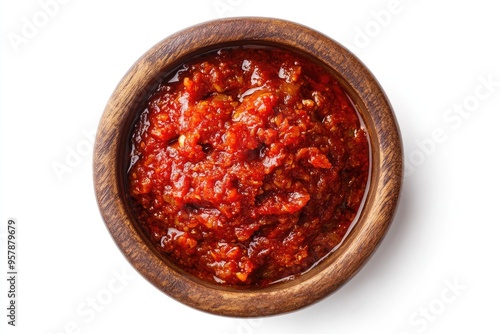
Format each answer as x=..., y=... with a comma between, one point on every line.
x=382, y=197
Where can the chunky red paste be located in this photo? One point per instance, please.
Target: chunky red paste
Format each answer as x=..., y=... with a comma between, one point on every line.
x=248, y=165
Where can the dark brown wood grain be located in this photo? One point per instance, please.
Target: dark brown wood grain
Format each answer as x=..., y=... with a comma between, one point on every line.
x=110, y=167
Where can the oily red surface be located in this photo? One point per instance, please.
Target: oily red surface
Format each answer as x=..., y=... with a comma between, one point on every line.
x=248, y=166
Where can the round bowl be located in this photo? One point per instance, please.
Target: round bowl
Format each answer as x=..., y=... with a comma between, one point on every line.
x=110, y=156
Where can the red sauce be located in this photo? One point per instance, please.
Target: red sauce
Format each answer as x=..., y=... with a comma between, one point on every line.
x=248, y=165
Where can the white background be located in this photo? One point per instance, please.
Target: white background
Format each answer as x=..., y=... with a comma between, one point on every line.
x=435, y=272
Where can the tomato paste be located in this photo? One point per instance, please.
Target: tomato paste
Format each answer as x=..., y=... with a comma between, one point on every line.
x=248, y=165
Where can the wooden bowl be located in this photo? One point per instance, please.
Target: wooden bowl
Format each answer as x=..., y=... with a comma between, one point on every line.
x=110, y=158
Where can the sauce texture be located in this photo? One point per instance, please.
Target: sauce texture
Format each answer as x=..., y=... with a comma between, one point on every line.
x=248, y=165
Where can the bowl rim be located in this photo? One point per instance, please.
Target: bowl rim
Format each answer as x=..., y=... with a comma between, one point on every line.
x=384, y=186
